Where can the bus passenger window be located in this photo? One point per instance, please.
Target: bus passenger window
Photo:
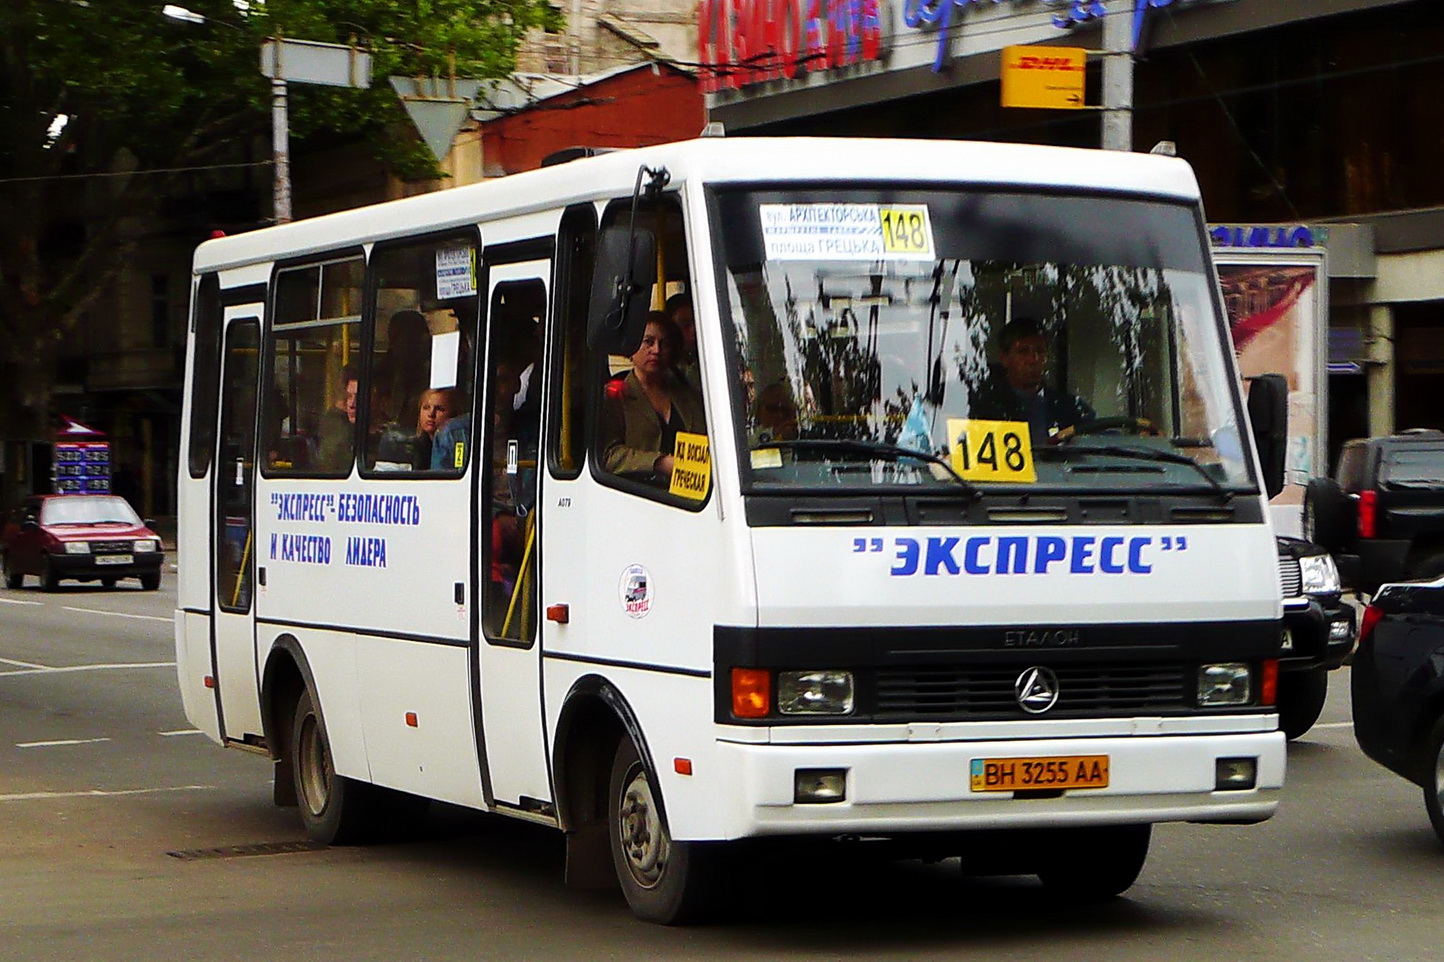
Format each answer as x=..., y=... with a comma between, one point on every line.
x=652, y=426
x=419, y=412
x=315, y=337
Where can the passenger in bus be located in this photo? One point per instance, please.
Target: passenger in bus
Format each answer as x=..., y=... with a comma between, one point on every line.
x=1015, y=389
x=776, y=414
x=645, y=410
x=405, y=370
x=338, y=425
x=679, y=312
x=407, y=445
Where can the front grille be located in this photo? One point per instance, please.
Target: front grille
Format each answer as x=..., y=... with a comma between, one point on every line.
x=1291, y=577
x=985, y=691
x=111, y=547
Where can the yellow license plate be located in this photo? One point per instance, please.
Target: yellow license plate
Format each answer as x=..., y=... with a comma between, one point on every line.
x=1025, y=774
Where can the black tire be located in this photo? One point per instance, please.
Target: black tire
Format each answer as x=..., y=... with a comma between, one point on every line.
x=1433, y=772
x=666, y=882
x=49, y=580
x=335, y=810
x=13, y=579
x=1093, y=864
x=1301, y=700
x=107, y=582
x=1328, y=515
x=149, y=581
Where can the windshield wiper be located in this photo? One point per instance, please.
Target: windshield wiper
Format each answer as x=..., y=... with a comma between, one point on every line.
x=881, y=449
x=1135, y=454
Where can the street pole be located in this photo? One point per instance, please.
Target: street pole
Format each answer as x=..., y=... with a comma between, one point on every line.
x=281, y=150
x=1118, y=76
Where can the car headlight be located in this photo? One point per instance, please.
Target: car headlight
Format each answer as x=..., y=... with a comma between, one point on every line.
x=1229, y=683
x=1321, y=576
x=77, y=547
x=144, y=545
x=814, y=692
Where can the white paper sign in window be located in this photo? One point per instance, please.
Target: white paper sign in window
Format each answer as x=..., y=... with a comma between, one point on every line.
x=846, y=232
x=455, y=272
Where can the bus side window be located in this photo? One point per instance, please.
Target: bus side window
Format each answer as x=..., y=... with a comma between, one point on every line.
x=307, y=420
x=205, y=373
x=650, y=409
x=576, y=259
x=513, y=417
x=426, y=295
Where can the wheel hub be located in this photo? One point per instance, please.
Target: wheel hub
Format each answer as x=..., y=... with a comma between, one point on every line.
x=315, y=765
x=643, y=840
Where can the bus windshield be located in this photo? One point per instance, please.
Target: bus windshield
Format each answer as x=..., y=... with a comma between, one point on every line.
x=1059, y=341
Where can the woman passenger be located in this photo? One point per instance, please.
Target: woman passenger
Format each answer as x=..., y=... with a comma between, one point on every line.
x=646, y=410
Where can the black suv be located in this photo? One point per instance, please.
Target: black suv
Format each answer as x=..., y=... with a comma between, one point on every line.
x=1318, y=633
x=1382, y=514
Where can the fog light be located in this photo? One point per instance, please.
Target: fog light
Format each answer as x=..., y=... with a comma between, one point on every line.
x=814, y=692
x=1340, y=630
x=1234, y=774
x=1229, y=683
x=77, y=547
x=814, y=786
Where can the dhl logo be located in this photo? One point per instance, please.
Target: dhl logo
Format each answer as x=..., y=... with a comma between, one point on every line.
x=1048, y=63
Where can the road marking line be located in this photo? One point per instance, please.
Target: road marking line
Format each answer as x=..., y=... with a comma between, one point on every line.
x=182, y=731
x=22, y=664
x=117, y=614
x=1336, y=725
x=64, y=741
x=47, y=671
x=18, y=601
x=101, y=793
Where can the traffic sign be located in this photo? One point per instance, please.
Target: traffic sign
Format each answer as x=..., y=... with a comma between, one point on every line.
x=1050, y=78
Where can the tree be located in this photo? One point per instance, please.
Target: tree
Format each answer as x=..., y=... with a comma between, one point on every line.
x=107, y=108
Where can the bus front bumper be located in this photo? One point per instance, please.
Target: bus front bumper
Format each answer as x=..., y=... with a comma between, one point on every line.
x=926, y=787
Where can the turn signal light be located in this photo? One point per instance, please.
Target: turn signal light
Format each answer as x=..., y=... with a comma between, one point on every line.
x=751, y=692
x=1269, y=684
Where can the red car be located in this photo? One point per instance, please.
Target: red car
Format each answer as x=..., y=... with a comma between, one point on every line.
x=81, y=537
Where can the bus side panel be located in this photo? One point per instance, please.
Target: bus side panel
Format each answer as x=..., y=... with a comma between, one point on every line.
x=417, y=706
x=193, y=666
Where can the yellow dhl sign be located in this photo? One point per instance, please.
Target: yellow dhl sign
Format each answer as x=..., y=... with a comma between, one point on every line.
x=1050, y=78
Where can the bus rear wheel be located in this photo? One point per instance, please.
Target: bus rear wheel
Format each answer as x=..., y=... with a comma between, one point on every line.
x=664, y=881
x=334, y=809
x=1094, y=864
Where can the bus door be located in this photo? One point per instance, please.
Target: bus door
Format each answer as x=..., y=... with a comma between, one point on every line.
x=232, y=536
x=510, y=534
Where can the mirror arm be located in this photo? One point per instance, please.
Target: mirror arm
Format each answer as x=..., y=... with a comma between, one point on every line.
x=657, y=179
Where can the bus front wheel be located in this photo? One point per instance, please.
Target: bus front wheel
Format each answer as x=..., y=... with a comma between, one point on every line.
x=664, y=881
x=334, y=808
x=1094, y=864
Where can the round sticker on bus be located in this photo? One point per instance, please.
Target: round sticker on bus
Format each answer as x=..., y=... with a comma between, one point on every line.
x=636, y=591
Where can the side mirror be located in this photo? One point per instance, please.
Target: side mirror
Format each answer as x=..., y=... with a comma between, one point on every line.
x=1268, y=413
x=621, y=290
x=30, y=524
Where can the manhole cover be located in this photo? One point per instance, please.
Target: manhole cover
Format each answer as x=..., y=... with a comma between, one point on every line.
x=244, y=851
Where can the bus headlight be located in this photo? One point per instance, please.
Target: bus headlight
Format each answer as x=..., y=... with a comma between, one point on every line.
x=1320, y=574
x=1228, y=683
x=814, y=692
x=77, y=547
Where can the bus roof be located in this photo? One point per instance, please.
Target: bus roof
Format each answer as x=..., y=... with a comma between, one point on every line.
x=718, y=160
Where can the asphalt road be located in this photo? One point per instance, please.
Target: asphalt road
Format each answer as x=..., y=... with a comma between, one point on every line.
x=125, y=835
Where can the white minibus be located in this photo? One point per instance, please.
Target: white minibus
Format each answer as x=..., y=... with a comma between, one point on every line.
x=741, y=489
